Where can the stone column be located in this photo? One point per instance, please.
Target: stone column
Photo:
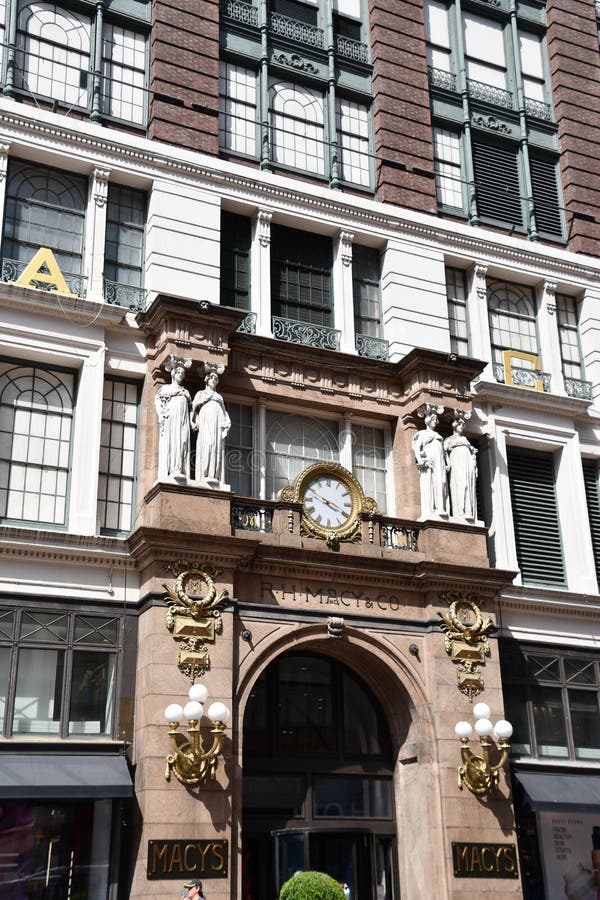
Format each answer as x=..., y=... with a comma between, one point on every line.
x=260, y=278
x=343, y=291
x=95, y=234
x=549, y=342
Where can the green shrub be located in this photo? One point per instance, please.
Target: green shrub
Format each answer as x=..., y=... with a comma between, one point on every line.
x=311, y=886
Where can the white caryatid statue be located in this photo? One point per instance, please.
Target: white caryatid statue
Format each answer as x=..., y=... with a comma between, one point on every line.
x=428, y=448
x=172, y=403
x=461, y=461
x=211, y=420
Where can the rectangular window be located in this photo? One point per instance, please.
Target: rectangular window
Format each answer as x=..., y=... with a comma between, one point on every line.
x=448, y=170
x=65, y=674
x=237, y=109
x=484, y=51
x=124, y=74
x=535, y=516
x=552, y=701
x=532, y=66
x=36, y=415
x=437, y=30
x=124, y=247
x=235, y=260
x=568, y=334
x=296, y=115
x=239, y=450
x=511, y=311
x=116, y=479
x=366, y=292
x=352, y=123
x=456, y=293
x=369, y=462
x=301, y=266
x=591, y=478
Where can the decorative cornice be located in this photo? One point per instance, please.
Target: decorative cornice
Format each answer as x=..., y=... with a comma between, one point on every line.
x=34, y=543
x=552, y=602
x=525, y=398
x=257, y=187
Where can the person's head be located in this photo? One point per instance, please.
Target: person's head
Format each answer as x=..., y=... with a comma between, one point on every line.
x=431, y=420
x=458, y=425
x=194, y=888
x=212, y=379
x=178, y=374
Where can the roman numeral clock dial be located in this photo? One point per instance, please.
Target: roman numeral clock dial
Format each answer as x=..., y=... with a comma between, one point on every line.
x=332, y=501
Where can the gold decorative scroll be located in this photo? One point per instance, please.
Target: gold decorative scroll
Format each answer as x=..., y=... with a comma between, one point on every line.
x=466, y=640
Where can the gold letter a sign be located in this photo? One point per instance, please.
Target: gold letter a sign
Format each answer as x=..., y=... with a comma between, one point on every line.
x=44, y=259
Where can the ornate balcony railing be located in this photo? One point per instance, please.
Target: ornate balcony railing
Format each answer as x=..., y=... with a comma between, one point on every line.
x=351, y=49
x=247, y=517
x=12, y=269
x=396, y=537
x=133, y=298
x=439, y=78
x=318, y=336
x=538, y=110
x=248, y=326
x=374, y=348
x=241, y=12
x=488, y=93
x=575, y=387
x=294, y=30
x=523, y=377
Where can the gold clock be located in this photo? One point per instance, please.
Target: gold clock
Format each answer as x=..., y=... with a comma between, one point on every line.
x=332, y=502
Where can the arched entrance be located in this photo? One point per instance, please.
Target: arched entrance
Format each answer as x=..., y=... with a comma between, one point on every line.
x=317, y=780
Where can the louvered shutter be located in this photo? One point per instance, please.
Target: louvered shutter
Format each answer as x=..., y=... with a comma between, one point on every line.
x=592, y=493
x=545, y=196
x=535, y=516
x=497, y=182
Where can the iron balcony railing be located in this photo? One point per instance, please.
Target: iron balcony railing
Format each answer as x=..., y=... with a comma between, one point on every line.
x=575, y=387
x=440, y=78
x=12, y=269
x=133, y=298
x=373, y=347
x=523, y=377
x=351, y=49
x=248, y=326
x=489, y=93
x=318, y=336
x=241, y=12
x=295, y=30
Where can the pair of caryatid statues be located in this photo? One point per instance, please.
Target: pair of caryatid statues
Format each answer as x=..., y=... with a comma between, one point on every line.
x=447, y=468
x=179, y=415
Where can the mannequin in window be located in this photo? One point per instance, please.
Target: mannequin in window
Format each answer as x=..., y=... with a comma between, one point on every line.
x=428, y=448
x=172, y=403
x=211, y=420
x=461, y=460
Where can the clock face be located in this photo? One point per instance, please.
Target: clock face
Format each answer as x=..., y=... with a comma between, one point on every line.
x=328, y=501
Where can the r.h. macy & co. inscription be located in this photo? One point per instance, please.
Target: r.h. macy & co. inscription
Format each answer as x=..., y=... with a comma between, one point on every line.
x=330, y=596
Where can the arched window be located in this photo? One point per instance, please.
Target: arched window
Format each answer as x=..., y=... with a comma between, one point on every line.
x=53, y=59
x=44, y=208
x=294, y=442
x=297, y=130
x=36, y=412
x=511, y=311
x=317, y=778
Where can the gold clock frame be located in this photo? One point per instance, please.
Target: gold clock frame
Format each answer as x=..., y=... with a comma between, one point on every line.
x=361, y=504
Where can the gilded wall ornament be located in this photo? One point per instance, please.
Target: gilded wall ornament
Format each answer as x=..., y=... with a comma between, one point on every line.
x=193, y=619
x=466, y=640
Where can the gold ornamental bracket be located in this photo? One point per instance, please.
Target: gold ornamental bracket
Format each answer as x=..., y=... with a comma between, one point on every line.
x=480, y=774
x=333, y=503
x=192, y=618
x=466, y=640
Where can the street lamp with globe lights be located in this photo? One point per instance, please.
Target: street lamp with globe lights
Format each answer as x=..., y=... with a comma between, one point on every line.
x=191, y=764
x=477, y=772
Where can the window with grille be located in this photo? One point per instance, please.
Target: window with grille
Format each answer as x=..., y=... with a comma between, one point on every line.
x=511, y=311
x=240, y=457
x=294, y=442
x=44, y=208
x=297, y=126
x=237, y=109
x=456, y=294
x=448, y=169
x=66, y=668
x=591, y=478
x=568, y=334
x=552, y=700
x=301, y=276
x=235, y=260
x=124, y=65
x=116, y=481
x=125, y=225
x=36, y=417
x=366, y=292
x=535, y=516
x=352, y=122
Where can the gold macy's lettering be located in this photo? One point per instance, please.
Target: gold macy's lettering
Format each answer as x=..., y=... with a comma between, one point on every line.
x=184, y=858
x=44, y=268
x=484, y=860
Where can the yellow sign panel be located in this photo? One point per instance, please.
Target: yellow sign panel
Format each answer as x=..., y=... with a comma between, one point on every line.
x=507, y=358
x=45, y=269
